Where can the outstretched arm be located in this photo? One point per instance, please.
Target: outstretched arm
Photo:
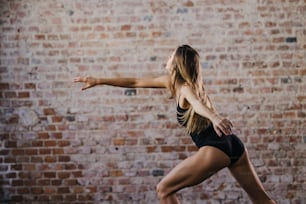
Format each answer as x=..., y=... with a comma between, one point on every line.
x=221, y=125
x=157, y=82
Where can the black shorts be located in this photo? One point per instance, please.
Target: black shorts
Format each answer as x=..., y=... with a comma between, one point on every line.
x=231, y=145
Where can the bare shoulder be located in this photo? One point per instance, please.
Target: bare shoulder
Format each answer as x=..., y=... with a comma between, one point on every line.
x=190, y=95
x=186, y=90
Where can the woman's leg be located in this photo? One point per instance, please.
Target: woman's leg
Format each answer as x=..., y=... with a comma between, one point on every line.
x=193, y=170
x=245, y=174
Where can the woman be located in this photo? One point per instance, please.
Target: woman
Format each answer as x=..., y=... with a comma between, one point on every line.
x=218, y=147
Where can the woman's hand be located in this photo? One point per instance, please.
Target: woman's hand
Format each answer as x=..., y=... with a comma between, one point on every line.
x=222, y=126
x=90, y=82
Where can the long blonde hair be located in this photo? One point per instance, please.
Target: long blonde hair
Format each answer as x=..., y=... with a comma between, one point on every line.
x=186, y=70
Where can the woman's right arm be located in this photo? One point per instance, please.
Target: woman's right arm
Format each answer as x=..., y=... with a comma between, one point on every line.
x=221, y=125
x=157, y=82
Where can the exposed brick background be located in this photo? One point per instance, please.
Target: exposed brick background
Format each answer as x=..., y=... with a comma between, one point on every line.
x=113, y=145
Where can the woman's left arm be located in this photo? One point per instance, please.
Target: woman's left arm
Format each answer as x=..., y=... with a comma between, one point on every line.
x=221, y=125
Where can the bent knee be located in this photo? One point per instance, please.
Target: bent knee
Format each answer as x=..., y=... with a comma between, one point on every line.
x=162, y=191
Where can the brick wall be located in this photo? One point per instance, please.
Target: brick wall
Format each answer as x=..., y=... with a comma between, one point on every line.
x=113, y=145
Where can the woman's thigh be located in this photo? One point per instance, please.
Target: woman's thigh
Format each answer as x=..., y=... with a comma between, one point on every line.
x=193, y=170
x=246, y=176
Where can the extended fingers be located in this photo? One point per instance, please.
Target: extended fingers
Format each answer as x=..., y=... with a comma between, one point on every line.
x=86, y=87
x=218, y=131
x=82, y=79
x=226, y=126
x=79, y=79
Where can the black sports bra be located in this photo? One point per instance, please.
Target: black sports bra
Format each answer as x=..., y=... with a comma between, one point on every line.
x=179, y=112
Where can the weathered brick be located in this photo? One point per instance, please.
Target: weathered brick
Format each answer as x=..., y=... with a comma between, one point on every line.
x=63, y=175
x=49, y=111
x=44, y=151
x=17, y=198
x=116, y=173
x=119, y=141
x=31, y=151
x=49, y=174
x=107, y=143
x=37, y=143
x=43, y=135
x=50, y=143
x=36, y=190
x=64, y=158
x=23, y=191
x=50, y=159
x=4, y=85
x=57, y=119
x=36, y=159
x=15, y=152
x=10, y=94
x=58, y=151
x=56, y=135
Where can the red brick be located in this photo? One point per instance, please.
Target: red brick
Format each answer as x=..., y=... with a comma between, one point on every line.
x=116, y=173
x=30, y=86
x=10, y=144
x=23, y=95
x=63, y=190
x=151, y=149
x=49, y=111
x=70, y=166
x=63, y=143
x=56, y=182
x=29, y=167
x=10, y=94
x=78, y=189
x=58, y=151
x=40, y=37
x=126, y=27
x=23, y=191
x=50, y=159
x=56, y=135
x=9, y=160
x=63, y=175
x=51, y=128
x=64, y=158
x=77, y=174
x=17, y=183
x=91, y=189
x=167, y=148
x=36, y=159
x=17, y=198
x=31, y=151
x=43, y=135
x=4, y=86
x=57, y=119
x=37, y=143
x=11, y=175
x=16, y=167
x=49, y=174
x=36, y=190
x=192, y=148
x=44, y=151
x=189, y=4
x=118, y=141
x=71, y=182
x=16, y=152
x=50, y=143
